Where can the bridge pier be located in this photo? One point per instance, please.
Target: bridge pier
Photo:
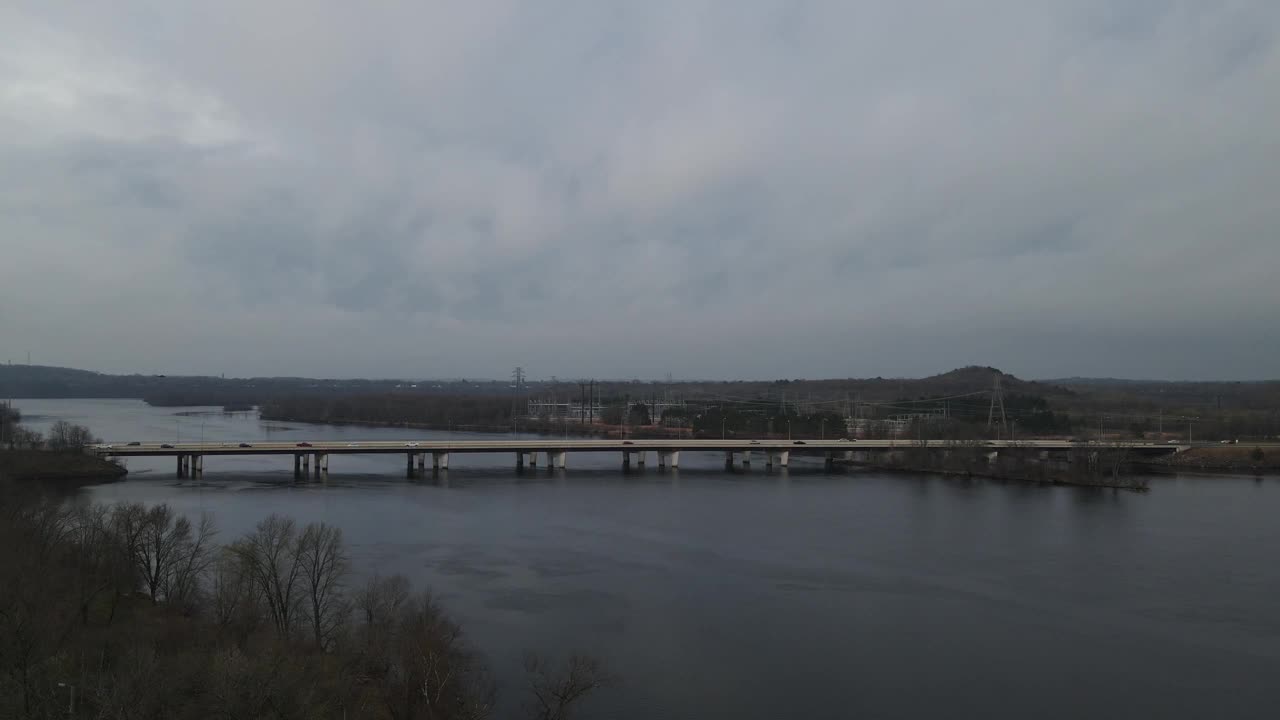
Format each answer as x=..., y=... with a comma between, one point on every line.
x=728, y=459
x=533, y=459
x=520, y=460
x=778, y=457
x=439, y=461
x=322, y=465
x=630, y=457
x=668, y=459
x=197, y=465
x=746, y=458
x=297, y=465
x=556, y=459
x=181, y=467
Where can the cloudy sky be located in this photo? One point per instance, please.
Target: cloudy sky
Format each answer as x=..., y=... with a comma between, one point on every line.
x=741, y=188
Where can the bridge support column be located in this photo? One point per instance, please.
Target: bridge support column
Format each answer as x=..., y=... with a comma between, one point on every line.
x=180, y=468
x=322, y=465
x=440, y=461
x=533, y=459
x=746, y=457
x=668, y=458
x=197, y=465
x=626, y=459
x=408, y=464
x=555, y=459
x=422, y=463
x=828, y=460
x=297, y=465
x=640, y=457
x=520, y=461
x=306, y=464
x=779, y=457
x=728, y=459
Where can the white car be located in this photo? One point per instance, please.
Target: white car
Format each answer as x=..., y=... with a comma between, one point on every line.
x=411, y=444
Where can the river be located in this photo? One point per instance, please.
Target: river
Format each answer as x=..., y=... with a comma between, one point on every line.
x=793, y=593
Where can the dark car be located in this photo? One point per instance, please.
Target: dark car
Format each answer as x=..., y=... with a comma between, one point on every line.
x=304, y=444
x=245, y=445
x=799, y=442
x=166, y=446
x=135, y=443
x=627, y=442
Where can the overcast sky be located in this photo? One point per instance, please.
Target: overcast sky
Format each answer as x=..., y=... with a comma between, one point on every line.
x=742, y=189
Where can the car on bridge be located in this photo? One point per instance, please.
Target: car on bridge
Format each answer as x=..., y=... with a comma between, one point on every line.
x=245, y=445
x=166, y=446
x=304, y=444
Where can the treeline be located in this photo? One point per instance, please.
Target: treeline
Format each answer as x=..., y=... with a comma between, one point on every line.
x=136, y=612
x=1093, y=465
x=436, y=411
x=731, y=421
x=63, y=436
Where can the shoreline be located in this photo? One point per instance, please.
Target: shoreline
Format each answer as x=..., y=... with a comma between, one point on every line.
x=1138, y=486
x=52, y=465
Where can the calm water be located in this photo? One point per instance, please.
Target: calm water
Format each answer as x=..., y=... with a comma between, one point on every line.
x=792, y=594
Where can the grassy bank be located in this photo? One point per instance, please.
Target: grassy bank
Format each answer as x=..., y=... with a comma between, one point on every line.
x=55, y=465
x=1231, y=458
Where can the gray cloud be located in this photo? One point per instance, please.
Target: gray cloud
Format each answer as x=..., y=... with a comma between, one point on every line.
x=618, y=189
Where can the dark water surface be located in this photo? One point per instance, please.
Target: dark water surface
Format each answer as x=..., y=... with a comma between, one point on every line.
x=788, y=594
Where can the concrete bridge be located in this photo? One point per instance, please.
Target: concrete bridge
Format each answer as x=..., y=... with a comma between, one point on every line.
x=190, y=456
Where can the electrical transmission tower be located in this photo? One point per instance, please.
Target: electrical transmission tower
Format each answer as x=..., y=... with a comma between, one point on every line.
x=997, y=401
x=517, y=384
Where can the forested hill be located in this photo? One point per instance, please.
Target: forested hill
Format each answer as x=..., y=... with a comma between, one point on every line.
x=37, y=381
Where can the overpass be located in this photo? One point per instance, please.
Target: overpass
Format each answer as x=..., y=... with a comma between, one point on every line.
x=190, y=456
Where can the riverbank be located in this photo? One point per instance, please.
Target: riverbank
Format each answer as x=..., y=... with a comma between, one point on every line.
x=1228, y=458
x=1041, y=477
x=56, y=465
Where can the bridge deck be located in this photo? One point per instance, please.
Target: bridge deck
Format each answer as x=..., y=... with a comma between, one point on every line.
x=577, y=445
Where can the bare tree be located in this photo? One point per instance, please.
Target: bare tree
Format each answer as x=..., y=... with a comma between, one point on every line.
x=21, y=437
x=67, y=436
x=270, y=558
x=162, y=543
x=380, y=600
x=323, y=560
x=191, y=563
x=231, y=589
x=91, y=556
x=555, y=692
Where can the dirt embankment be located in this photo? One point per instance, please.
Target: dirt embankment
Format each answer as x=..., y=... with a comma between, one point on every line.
x=54, y=465
x=1235, y=458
